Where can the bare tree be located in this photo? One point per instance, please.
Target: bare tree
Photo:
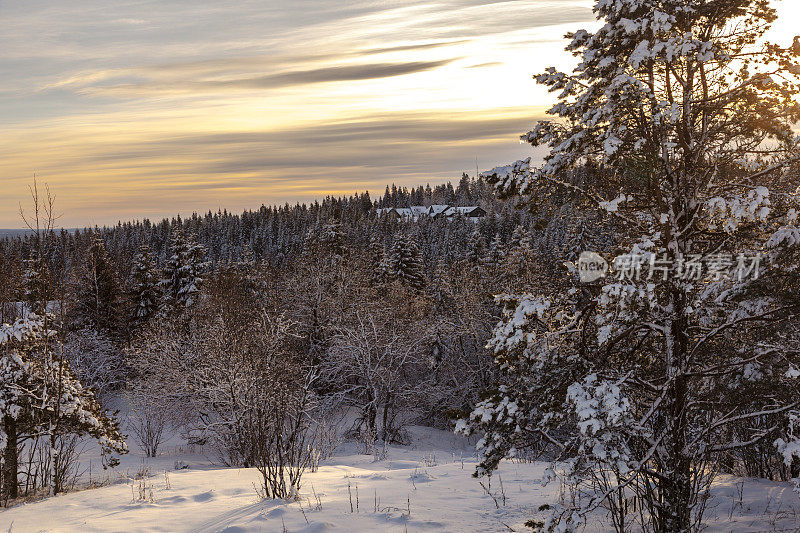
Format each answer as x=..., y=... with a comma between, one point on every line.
x=373, y=364
x=148, y=418
x=236, y=376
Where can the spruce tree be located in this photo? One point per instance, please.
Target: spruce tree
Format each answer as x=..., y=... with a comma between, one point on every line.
x=35, y=286
x=100, y=298
x=520, y=255
x=496, y=253
x=405, y=262
x=145, y=294
x=476, y=249
x=195, y=267
x=440, y=289
x=520, y=240
x=181, y=279
x=377, y=257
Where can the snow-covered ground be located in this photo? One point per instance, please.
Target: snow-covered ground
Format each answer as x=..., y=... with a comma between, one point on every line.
x=426, y=486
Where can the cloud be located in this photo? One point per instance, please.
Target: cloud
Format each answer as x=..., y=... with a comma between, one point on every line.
x=330, y=74
x=361, y=141
x=409, y=47
x=483, y=65
x=203, y=76
x=144, y=108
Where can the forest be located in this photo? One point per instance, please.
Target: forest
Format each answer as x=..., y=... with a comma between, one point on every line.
x=388, y=317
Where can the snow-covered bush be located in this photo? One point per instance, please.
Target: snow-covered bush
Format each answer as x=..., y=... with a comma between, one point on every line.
x=373, y=364
x=233, y=379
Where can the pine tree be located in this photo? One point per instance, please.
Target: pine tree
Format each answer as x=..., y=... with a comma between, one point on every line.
x=682, y=121
x=405, y=262
x=40, y=395
x=145, y=294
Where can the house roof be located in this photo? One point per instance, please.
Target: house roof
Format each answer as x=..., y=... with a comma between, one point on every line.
x=467, y=210
x=436, y=209
x=415, y=211
x=412, y=212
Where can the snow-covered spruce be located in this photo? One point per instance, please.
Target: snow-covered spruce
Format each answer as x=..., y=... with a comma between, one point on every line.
x=145, y=292
x=180, y=285
x=404, y=262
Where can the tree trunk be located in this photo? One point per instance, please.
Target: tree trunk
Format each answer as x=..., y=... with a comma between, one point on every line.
x=385, y=423
x=371, y=419
x=55, y=477
x=10, y=459
x=676, y=484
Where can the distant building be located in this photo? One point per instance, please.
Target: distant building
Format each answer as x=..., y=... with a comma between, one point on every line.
x=437, y=209
x=411, y=213
x=465, y=211
x=389, y=212
x=472, y=212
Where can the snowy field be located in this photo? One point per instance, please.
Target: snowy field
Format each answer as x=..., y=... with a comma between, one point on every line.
x=425, y=486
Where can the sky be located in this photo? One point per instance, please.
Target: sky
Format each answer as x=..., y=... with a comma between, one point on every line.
x=133, y=109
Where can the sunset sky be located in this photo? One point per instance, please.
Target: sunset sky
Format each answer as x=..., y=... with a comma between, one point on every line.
x=133, y=109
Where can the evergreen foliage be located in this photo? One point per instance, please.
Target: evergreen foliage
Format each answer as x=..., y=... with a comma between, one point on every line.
x=677, y=128
x=145, y=293
x=405, y=262
x=181, y=280
x=99, y=294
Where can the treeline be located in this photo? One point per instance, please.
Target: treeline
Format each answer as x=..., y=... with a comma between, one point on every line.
x=275, y=236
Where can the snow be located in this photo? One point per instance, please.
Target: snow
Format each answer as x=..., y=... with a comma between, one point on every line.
x=612, y=206
x=728, y=213
x=431, y=477
x=785, y=236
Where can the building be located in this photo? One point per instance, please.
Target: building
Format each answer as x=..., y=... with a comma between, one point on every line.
x=465, y=211
x=413, y=213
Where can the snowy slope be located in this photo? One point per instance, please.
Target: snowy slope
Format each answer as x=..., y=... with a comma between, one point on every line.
x=423, y=487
